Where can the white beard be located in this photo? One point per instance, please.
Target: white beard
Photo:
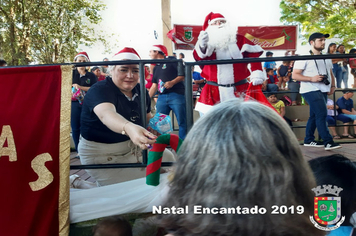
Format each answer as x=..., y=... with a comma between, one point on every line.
x=221, y=37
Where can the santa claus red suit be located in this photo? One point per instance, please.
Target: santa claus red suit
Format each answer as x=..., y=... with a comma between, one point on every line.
x=225, y=81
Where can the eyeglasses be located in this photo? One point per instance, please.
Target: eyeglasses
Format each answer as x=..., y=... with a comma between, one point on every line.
x=218, y=22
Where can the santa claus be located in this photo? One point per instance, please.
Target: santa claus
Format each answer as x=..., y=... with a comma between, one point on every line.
x=220, y=41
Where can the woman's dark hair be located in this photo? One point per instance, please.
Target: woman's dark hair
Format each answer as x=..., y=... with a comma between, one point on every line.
x=339, y=171
x=162, y=53
x=330, y=45
x=240, y=154
x=2, y=62
x=352, y=51
x=341, y=45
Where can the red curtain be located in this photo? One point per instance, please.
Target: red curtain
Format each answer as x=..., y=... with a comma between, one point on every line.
x=34, y=150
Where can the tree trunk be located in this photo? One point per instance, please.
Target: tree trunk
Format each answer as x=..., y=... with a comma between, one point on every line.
x=166, y=24
x=13, y=39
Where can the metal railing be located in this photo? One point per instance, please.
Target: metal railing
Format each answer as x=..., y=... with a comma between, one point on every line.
x=188, y=91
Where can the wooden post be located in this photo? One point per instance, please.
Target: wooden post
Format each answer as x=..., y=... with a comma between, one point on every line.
x=166, y=24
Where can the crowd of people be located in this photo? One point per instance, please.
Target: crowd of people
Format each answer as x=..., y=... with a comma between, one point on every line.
x=220, y=167
x=313, y=79
x=230, y=157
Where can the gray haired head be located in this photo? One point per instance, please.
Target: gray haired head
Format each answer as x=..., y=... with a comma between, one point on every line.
x=241, y=154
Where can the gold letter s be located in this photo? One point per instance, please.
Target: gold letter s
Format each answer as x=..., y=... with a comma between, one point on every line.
x=45, y=177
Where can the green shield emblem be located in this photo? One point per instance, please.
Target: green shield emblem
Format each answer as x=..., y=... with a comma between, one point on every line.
x=188, y=34
x=327, y=210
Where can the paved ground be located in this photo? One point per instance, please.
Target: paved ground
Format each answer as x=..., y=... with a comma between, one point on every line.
x=82, y=173
x=348, y=150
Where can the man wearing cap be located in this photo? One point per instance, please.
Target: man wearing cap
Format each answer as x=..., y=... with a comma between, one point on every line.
x=219, y=41
x=168, y=80
x=317, y=81
x=346, y=107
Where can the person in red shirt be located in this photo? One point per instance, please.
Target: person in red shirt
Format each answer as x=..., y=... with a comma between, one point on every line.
x=97, y=72
x=270, y=85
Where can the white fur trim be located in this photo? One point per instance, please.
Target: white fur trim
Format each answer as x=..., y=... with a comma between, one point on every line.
x=258, y=77
x=226, y=71
x=257, y=81
x=251, y=48
x=202, y=108
x=156, y=49
x=81, y=55
x=258, y=74
x=226, y=93
x=125, y=55
x=225, y=74
x=235, y=51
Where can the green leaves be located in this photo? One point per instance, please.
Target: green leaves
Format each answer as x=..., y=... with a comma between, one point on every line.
x=47, y=31
x=327, y=16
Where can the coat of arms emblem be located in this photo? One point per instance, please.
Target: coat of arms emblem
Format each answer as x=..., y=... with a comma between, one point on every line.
x=327, y=209
x=188, y=34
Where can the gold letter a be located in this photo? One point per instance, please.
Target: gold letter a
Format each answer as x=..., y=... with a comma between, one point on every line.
x=10, y=150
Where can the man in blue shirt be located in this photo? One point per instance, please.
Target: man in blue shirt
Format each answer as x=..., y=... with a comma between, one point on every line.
x=270, y=64
x=346, y=107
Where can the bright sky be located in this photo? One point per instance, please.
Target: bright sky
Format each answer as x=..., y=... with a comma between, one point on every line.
x=135, y=21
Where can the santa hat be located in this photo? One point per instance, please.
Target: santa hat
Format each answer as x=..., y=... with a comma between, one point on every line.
x=82, y=54
x=160, y=48
x=211, y=18
x=126, y=54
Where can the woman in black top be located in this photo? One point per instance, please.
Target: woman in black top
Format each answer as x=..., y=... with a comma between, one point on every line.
x=83, y=80
x=111, y=120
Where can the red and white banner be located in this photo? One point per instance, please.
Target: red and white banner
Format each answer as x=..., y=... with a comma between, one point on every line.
x=34, y=150
x=271, y=37
x=268, y=37
x=184, y=36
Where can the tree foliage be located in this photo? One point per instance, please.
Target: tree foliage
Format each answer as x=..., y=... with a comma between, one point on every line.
x=336, y=17
x=47, y=31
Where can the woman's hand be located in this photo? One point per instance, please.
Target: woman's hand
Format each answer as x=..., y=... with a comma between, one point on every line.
x=76, y=86
x=154, y=132
x=140, y=136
